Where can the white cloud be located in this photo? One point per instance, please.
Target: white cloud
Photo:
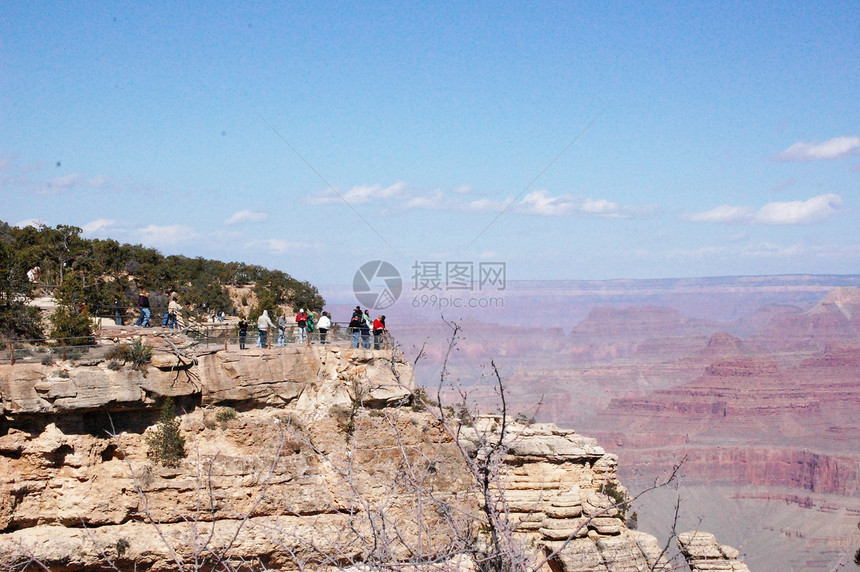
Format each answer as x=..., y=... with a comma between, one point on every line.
x=246, y=216
x=463, y=189
x=464, y=198
x=817, y=209
x=541, y=203
x=360, y=194
x=59, y=185
x=169, y=234
x=600, y=207
x=835, y=148
x=486, y=205
x=723, y=213
x=96, y=225
x=97, y=181
x=278, y=246
x=432, y=202
x=811, y=211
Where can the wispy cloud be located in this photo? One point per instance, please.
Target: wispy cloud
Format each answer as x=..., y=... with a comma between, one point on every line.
x=541, y=203
x=537, y=203
x=464, y=198
x=59, y=185
x=166, y=235
x=815, y=210
x=97, y=225
x=723, y=213
x=278, y=246
x=66, y=183
x=360, y=194
x=835, y=148
x=246, y=216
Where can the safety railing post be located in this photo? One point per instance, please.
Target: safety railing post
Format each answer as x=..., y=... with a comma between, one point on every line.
x=11, y=353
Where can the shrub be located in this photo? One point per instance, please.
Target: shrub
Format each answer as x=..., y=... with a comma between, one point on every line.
x=48, y=360
x=344, y=416
x=141, y=355
x=619, y=496
x=166, y=444
x=136, y=353
x=224, y=414
x=114, y=365
x=121, y=352
x=524, y=418
x=121, y=546
x=420, y=400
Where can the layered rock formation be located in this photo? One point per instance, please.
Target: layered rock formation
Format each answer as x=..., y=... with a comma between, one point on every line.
x=296, y=458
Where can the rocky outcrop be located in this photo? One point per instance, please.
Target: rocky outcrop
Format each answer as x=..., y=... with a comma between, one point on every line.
x=321, y=464
x=249, y=378
x=703, y=553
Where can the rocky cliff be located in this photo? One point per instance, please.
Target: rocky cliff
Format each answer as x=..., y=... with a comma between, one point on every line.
x=294, y=458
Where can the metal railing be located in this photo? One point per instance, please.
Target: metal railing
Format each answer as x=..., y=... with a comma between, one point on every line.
x=203, y=335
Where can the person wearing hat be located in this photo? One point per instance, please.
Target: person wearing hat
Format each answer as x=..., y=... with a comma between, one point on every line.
x=302, y=322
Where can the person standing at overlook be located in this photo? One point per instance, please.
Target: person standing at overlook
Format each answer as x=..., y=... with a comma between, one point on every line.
x=302, y=322
x=282, y=328
x=173, y=311
x=366, y=325
x=243, y=332
x=323, y=326
x=264, y=322
x=378, y=332
x=143, y=306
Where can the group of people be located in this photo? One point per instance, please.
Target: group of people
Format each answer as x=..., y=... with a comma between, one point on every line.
x=170, y=319
x=306, y=323
x=361, y=327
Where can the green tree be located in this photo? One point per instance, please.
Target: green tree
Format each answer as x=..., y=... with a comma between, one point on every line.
x=72, y=322
x=18, y=320
x=166, y=444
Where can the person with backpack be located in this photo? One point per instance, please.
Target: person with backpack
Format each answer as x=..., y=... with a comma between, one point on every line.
x=302, y=322
x=311, y=324
x=243, y=332
x=355, y=327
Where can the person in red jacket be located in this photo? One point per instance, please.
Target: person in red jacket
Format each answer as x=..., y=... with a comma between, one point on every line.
x=302, y=323
x=378, y=332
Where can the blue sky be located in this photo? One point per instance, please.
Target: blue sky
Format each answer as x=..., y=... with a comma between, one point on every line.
x=569, y=140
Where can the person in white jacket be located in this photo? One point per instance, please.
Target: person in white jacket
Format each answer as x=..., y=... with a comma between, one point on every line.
x=264, y=322
x=323, y=326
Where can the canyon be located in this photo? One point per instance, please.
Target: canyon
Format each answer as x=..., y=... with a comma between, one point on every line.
x=751, y=383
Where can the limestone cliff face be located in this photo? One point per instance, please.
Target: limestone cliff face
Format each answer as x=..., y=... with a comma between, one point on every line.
x=321, y=465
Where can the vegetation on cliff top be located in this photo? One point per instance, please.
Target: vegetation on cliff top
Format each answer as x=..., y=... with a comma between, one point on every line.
x=88, y=275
